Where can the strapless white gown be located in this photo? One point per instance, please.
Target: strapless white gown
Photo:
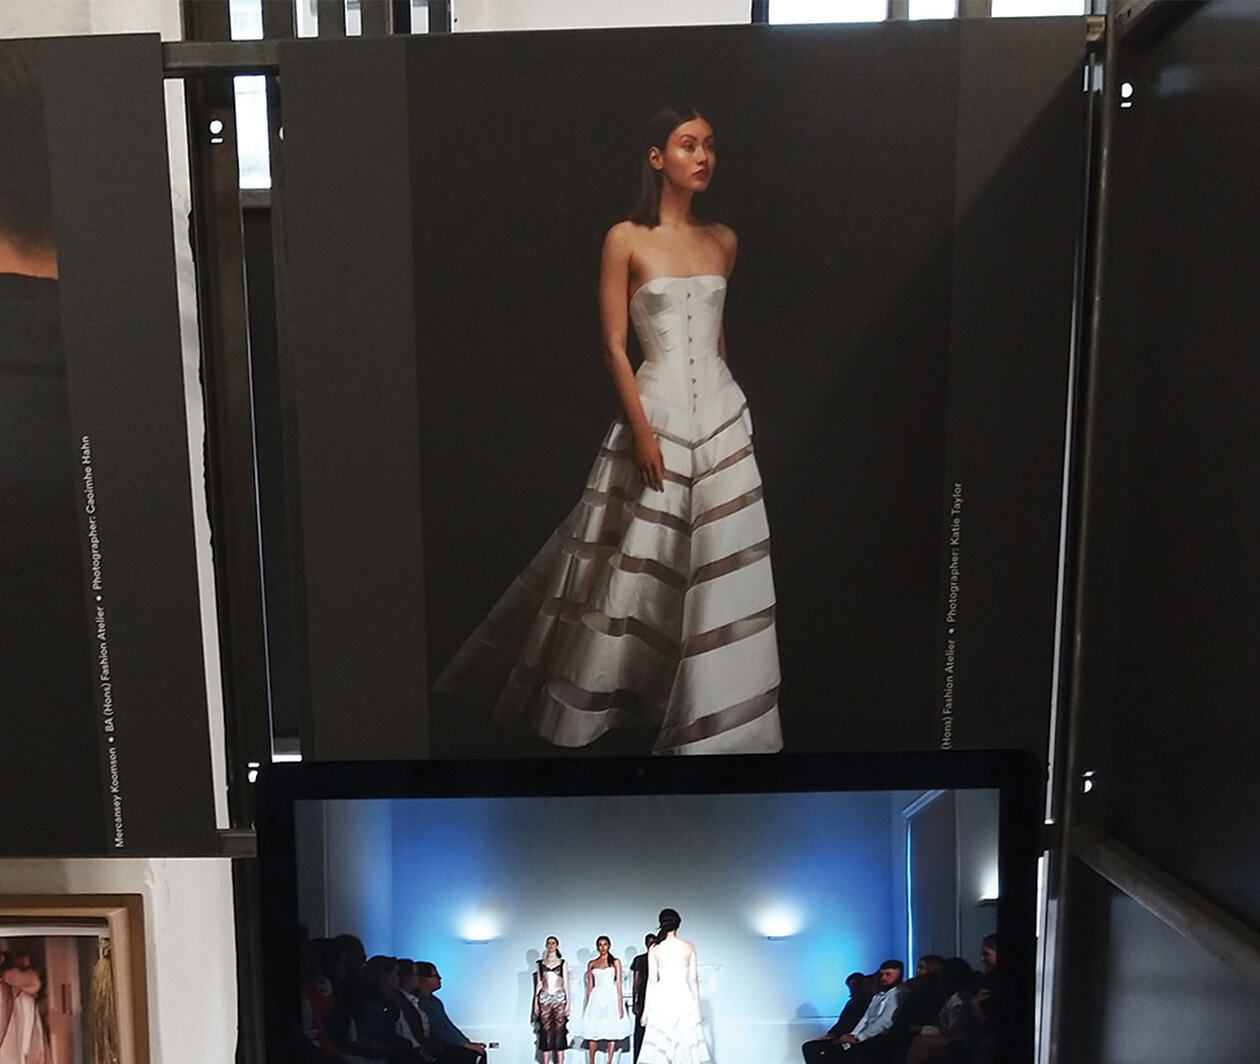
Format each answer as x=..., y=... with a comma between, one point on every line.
x=650, y=607
x=602, y=1018
x=672, y=1032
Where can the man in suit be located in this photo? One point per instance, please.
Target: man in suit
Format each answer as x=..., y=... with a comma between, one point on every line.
x=456, y=1047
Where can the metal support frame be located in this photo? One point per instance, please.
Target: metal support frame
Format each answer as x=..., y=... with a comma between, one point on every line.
x=228, y=396
x=1176, y=904
x=1136, y=20
x=1182, y=908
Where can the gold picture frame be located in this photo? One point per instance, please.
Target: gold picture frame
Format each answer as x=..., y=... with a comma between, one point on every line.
x=72, y=973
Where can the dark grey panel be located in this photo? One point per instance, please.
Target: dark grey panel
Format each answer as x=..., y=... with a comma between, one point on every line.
x=107, y=150
x=1172, y=591
x=349, y=367
x=1017, y=224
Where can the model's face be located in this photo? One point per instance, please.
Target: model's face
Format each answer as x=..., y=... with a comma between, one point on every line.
x=602, y=945
x=688, y=158
x=552, y=944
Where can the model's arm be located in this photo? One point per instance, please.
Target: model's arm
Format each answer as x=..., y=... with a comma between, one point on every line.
x=650, y=992
x=533, y=1005
x=24, y=979
x=621, y=1001
x=693, y=977
x=590, y=984
x=730, y=246
x=564, y=984
x=614, y=284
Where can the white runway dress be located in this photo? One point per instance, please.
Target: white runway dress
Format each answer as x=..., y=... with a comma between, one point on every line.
x=602, y=1019
x=649, y=607
x=672, y=1031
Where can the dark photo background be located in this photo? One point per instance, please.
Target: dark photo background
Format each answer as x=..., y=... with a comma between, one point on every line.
x=907, y=199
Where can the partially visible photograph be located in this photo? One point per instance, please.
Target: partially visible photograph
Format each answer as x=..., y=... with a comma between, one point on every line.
x=40, y=582
x=68, y=985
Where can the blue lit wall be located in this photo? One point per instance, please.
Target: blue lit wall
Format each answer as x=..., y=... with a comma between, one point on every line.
x=783, y=896
x=818, y=870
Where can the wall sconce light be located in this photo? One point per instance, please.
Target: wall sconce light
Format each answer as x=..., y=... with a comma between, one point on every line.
x=778, y=923
x=480, y=926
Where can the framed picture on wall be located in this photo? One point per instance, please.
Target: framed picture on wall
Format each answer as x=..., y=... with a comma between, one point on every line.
x=72, y=978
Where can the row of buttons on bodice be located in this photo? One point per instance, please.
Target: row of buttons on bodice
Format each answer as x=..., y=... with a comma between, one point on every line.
x=691, y=358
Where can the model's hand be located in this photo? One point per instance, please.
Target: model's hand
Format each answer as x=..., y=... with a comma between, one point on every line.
x=847, y=1038
x=647, y=456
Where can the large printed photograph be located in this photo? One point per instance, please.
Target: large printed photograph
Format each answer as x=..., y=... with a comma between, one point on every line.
x=743, y=364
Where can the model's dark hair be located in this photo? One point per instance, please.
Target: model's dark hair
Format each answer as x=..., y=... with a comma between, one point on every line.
x=25, y=189
x=669, y=921
x=655, y=135
x=611, y=959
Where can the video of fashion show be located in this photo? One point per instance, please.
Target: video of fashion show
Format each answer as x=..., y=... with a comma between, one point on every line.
x=733, y=928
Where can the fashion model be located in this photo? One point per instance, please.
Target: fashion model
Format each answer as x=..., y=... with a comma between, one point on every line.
x=551, y=1002
x=671, y=1014
x=604, y=1019
x=653, y=603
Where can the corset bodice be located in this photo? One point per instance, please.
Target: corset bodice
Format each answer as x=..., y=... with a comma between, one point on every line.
x=678, y=321
x=551, y=979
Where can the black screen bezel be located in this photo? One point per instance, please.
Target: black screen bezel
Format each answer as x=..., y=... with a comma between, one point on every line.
x=1017, y=776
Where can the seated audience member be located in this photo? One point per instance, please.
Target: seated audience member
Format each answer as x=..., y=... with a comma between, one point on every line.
x=337, y=960
x=376, y=1017
x=828, y=1046
x=317, y=1005
x=413, y=1024
x=921, y=998
x=878, y=1037
x=456, y=1047
x=949, y=1039
x=986, y=1004
x=875, y=1039
x=990, y=1000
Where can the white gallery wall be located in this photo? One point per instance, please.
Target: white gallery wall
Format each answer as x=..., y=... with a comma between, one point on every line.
x=480, y=15
x=189, y=941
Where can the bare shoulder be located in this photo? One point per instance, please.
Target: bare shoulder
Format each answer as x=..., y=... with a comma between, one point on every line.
x=725, y=236
x=622, y=237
